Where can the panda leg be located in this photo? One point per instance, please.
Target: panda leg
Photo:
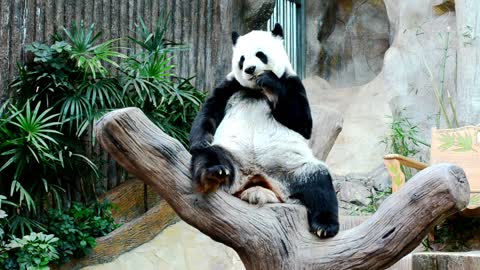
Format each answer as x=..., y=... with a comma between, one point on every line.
x=315, y=191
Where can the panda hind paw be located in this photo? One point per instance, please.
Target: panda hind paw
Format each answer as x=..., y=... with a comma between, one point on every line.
x=259, y=196
x=324, y=230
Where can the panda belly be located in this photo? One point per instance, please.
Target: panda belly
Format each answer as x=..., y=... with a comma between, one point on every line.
x=262, y=147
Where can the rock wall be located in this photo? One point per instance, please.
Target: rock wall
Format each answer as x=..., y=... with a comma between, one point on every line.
x=417, y=56
x=346, y=40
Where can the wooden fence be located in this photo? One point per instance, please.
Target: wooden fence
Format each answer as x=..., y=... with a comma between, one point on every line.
x=203, y=25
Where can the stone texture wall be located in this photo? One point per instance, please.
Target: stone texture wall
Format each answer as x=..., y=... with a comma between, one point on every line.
x=346, y=40
x=203, y=25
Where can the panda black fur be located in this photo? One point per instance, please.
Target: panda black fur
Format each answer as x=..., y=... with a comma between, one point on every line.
x=250, y=138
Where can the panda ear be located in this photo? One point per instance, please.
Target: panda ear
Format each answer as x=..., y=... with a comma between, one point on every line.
x=277, y=31
x=235, y=37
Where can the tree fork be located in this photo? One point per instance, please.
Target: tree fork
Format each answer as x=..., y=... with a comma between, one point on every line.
x=276, y=236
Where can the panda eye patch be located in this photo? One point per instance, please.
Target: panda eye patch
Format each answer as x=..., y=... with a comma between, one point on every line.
x=240, y=64
x=262, y=57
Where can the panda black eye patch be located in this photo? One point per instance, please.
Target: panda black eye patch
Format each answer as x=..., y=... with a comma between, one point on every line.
x=262, y=57
x=240, y=64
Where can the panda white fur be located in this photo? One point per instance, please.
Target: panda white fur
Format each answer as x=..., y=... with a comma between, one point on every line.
x=250, y=138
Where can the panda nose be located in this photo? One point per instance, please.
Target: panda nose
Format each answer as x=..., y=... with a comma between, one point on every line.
x=250, y=70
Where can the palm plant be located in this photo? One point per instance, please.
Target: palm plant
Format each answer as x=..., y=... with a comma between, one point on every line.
x=150, y=82
x=32, y=157
x=89, y=56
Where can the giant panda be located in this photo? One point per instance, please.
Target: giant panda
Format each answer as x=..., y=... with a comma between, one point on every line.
x=251, y=136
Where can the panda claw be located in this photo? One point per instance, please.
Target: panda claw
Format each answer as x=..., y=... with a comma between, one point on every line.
x=227, y=172
x=320, y=233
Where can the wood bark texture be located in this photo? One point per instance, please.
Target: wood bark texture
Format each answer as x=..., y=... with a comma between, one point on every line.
x=276, y=236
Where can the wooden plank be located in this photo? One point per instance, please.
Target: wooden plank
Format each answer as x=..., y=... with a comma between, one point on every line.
x=201, y=44
x=124, y=30
x=59, y=23
x=139, y=12
x=78, y=12
x=50, y=22
x=5, y=38
x=193, y=41
x=106, y=22
x=211, y=45
x=29, y=29
x=405, y=161
x=40, y=20
x=88, y=13
x=115, y=19
x=154, y=12
x=186, y=40
x=69, y=15
x=16, y=36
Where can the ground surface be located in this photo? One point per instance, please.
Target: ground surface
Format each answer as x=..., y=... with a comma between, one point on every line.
x=180, y=246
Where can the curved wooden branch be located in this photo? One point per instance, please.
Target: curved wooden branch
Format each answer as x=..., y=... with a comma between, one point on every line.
x=276, y=236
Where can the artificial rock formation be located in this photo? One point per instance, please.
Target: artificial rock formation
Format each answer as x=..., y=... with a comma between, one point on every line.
x=276, y=236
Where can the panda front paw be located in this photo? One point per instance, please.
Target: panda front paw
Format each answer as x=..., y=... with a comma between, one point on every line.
x=268, y=80
x=211, y=167
x=212, y=178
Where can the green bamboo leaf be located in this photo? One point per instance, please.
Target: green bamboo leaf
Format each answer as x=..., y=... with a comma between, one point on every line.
x=464, y=143
x=448, y=141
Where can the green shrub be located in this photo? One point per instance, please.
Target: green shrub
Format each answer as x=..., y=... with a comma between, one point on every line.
x=78, y=227
x=34, y=251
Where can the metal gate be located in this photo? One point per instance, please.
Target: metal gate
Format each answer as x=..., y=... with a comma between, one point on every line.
x=291, y=15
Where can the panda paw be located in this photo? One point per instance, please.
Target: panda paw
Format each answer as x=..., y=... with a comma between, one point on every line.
x=269, y=80
x=324, y=229
x=212, y=178
x=259, y=196
x=211, y=167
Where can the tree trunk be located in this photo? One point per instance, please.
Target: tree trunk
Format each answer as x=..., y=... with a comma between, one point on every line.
x=468, y=61
x=276, y=236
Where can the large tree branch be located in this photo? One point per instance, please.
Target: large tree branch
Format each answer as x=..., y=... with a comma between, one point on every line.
x=276, y=236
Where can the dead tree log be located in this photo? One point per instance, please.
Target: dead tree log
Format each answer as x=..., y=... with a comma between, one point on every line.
x=276, y=236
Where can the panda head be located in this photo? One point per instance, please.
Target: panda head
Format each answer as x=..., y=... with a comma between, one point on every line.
x=257, y=52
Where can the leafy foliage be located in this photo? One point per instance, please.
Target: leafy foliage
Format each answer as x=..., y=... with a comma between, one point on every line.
x=403, y=139
x=32, y=157
x=375, y=200
x=90, y=57
x=169, y=101
x=35, y=251
x=457, y=233
x=58, y=96
x=78, y=227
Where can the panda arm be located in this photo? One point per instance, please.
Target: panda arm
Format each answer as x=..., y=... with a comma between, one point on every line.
x=211, y=114
x=291, y=106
